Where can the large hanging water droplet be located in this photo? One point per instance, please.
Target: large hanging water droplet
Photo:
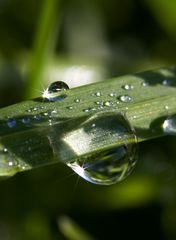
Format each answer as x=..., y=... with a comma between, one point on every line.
x=169, y=125
x=56, y=91
x=103, y=148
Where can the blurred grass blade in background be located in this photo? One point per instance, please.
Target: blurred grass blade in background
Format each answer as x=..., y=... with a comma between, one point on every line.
x=44, y=43
x=71, y=230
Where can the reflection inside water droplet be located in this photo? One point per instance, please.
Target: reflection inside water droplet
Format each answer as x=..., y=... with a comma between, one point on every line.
x=56, y=91
x=104, y=148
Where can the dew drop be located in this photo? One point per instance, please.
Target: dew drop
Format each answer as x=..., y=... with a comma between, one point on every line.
x=112, y=94
x=87, y=110
x=98, y=103
x=70, y=107
x=54, y=111
x=26, y=120
x=165, y=82
x=145, y=84
x=125, y=98
x=128, y=87
x=5, y=150
x=77, y=100
x=95, y=160
x=56, y=91
x=11, y=123
x=10, y=163
x=108, y=103
x=169, y=125
x=50, y=122
x=37, y=117
x=97, y=94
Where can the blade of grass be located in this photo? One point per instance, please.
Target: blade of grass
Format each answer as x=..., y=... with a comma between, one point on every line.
x=71, y=230
x=44, y=43
x=153, y=99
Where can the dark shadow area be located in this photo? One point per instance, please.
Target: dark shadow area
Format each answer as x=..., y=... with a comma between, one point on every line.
x=153, y=78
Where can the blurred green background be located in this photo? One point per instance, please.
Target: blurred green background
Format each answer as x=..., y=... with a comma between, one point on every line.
x=81, y=42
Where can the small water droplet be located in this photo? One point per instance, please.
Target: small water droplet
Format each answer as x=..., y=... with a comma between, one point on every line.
x=101, y=107
x=70, y=107
x=5, y=150
x=112, y=94
x=125, y=98
x=54, y=111
x=50, y=122
x=166, y=107
x=77, y=100
x=97, y=94
x=98, y=102
x=165, y=82
x=145, y=84
x=10, y=163
x=108, y=103
x=87, y=110
x=56, y=91
x=26, y=120
x=128, y=87
x=97, y=161
x=169, y=125
x=11, y=123
x=37, y=117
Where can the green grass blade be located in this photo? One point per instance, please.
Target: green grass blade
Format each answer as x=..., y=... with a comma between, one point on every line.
x=32, y=144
